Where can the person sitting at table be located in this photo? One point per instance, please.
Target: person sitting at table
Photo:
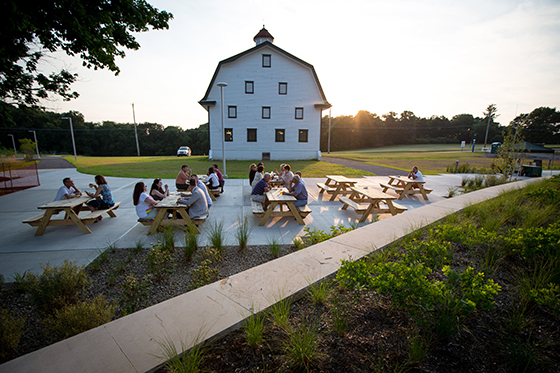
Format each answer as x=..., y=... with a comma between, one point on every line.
x=67, y=190
x=298, y=173
x=157, y=192
x=286, y=176
x=276, y=174
x=181, y=182
x=103, y=196
x=252, y=172
x=258, y=193
x=259, y=175
x=212, y=179
x=196, y=203
x=145, y=204
x=220, y=177
x=200, y=184
x=415, y=174
x=299, y=191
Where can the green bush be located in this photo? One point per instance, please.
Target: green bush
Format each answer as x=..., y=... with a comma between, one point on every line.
x=159, y=260
x=191, y=244
x=205, y=273
x=80, y=317
x=534, y=242
x=316, y=236
x=134, y=292
x=58, y=287
x=10, y=332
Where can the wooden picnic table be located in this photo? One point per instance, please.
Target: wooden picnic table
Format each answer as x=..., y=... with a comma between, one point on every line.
x=367, y=202
x=275, y=183
x=42, y=221
x=179, y=215
x=277, y=198
x=404, y=186
x=336, y=185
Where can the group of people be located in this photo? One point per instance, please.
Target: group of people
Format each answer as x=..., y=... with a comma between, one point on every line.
x=214, y=180
x=102, y=197
x=293, y=182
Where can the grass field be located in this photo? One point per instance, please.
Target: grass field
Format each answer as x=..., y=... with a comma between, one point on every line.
x=431, y=159
x=168, y=167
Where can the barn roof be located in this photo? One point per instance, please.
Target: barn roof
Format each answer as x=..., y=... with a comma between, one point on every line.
x=204, y=102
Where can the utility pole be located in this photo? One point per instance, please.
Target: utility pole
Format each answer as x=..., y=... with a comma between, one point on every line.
x=329, y=138
x=135, y=131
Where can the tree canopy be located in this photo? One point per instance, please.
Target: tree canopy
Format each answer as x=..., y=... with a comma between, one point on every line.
x=97, y=31
x=542, y=125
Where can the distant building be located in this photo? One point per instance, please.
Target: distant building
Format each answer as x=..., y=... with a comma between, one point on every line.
x=273, y=105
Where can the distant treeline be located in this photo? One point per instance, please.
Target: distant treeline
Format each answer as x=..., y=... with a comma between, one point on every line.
x=367, y=130
x=364, y=130
x=96, y=139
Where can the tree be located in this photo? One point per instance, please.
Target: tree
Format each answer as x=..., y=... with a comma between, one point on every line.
x=542, y=125
x=511, y=153
x=95, y=30
x=490, y=113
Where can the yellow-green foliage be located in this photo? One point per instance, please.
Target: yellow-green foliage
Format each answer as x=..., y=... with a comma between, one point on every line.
x=59, y=286
x=10, y=332
x=78, y=318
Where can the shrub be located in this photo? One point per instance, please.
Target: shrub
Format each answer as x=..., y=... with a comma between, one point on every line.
x=78, y=318
x=10, y=332
x=242, y=232
x=159, y=259
x=216, y=235
x=134, y=292
x=191, y=244
x=254, y=330
x=167, y=238
x=58, y=287
x=274, y=247
x=205, y=273
x=298, y=243
x=302, y=345
x=316, y=236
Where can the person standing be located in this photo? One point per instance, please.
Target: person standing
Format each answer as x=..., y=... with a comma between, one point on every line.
x=145, y=204
x=220, y=177
x=196, y=203
x=103, y=196
x=181, y=182
x=67, y=190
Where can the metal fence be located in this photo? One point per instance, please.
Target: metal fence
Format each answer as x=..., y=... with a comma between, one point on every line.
x=14, y=179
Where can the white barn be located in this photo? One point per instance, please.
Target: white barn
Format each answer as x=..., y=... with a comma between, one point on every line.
x=273, y=105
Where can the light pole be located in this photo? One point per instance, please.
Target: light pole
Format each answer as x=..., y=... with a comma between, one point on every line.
x=36, y=144
x=135, y=131
x=14, y=143
x=72, y=132
x=329, y=139
x=222, y=85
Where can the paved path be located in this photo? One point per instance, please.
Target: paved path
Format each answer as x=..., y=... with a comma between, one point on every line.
x=52, y=163
x=378, y=170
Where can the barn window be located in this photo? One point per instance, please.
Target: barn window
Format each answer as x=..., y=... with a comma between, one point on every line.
x=249, y=87
x=228, y=134
x=266, y=112
x=266, y=60
x=299, y=113
x=232, y=111
x=282, y=88
x=303, y=135
x=251, y=135
x=280, y=135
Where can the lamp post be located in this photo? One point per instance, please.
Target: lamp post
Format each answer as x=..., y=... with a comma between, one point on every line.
x=72, y=132
x=36, y=144
x=222, y=85
x=14, y=143
x=135, y=131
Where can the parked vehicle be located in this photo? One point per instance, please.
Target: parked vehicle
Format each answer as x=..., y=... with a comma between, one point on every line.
x=184, y=151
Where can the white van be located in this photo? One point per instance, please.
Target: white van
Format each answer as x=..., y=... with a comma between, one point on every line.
x=184, y=151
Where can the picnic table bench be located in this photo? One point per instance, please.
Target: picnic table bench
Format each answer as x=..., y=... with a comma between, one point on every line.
x=368, y=202
x=404, y=186
x=42, y=221
x=179, y=215
x=277, y=199
x=336, y=185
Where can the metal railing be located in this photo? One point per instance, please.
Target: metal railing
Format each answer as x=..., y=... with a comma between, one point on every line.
x=13, y=179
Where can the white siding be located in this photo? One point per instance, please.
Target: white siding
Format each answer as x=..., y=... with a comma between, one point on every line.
x=302, y=92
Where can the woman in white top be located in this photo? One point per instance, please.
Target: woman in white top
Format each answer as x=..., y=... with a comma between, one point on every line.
x=258, y=175
x=145, y=205
x=212, y=179
x=287, y=176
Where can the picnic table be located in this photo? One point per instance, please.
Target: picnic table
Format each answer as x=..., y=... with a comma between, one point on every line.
x=336, y=185
x=179, y=215
x=278, y=199
x=275, y=183
x=403, y=186
x=43, y=220
x=367, y=202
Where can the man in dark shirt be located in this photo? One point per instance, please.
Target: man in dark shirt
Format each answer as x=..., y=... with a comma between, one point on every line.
x=258, y=193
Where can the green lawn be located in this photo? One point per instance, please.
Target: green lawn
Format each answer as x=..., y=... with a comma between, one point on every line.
x=168, y=167
x=430, y=158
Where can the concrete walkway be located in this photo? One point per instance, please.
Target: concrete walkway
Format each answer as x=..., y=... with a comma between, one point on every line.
x=130, y=344
x=21, y=251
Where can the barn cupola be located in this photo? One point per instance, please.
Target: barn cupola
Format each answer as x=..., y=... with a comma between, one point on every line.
x=263, y=36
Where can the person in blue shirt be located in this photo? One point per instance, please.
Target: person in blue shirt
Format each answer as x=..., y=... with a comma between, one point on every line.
x=299, y=191
x=258, y=193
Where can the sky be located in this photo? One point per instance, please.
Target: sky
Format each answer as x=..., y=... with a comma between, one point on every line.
x=431, y=57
